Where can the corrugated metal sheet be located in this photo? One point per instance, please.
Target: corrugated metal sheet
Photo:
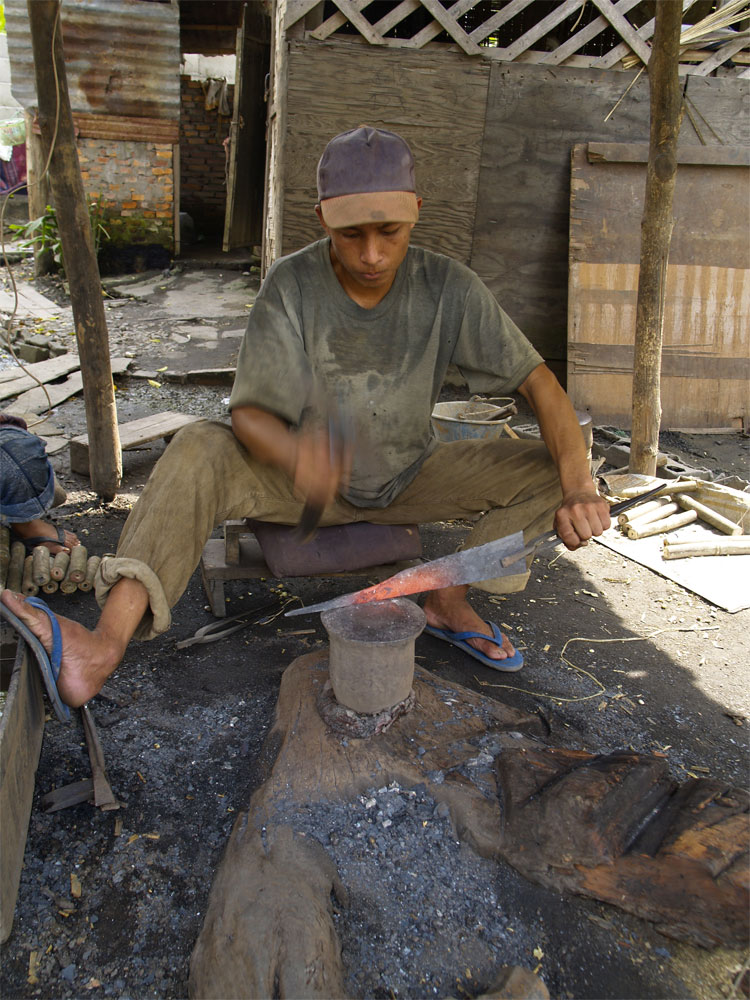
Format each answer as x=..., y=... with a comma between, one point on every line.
x=122, y=57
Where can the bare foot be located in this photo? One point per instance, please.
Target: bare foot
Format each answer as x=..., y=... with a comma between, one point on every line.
x=88, y=657
x=449, y=609
x=43, y=529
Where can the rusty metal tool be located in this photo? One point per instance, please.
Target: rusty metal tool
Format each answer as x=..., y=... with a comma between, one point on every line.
x=104, y=797
x=502, y=557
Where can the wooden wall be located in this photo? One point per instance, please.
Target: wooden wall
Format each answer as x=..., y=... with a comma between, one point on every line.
x=492, y=142
x=435, y=100
x=706, y=356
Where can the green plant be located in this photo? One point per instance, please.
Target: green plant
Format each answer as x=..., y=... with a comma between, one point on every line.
x=43, y=234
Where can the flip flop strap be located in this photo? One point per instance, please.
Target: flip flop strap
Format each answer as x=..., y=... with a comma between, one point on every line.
x=55, y=657
x=496, y=637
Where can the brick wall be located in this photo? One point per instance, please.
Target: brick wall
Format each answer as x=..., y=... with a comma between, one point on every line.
x=203, y=190
x=136, y=186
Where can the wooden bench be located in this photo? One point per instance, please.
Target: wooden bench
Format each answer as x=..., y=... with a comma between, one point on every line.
x=132, y=435
x=238, y=556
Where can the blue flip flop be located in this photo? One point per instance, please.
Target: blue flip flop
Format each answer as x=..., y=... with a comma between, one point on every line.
x=49, y=666
x=509, y=664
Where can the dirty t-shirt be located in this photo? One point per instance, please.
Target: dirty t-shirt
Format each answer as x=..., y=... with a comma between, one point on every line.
x=306, y=340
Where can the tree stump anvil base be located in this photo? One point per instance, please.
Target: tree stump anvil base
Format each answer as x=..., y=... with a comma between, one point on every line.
x=624, y=832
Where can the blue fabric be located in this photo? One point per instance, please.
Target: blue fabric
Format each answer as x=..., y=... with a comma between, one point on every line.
x=27, y=479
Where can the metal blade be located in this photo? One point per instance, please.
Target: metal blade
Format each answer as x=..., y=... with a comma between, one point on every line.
x=483, y=562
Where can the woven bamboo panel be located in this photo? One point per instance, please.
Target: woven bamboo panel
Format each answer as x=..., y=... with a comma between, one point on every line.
x=599, y=34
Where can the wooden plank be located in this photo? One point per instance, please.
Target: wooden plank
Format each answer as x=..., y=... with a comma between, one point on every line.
x=433, y=29
x=705, y=367
x=19, y=379
x=21, y=730
x=451, y=25
x=334, y=22
x=132, y=434
x=542, y=28
x=625, y=29
x=414, y=91
x=498, y=19
x=637, y=152
x=297, y=9
x=351, y=13
x=594, y=28
x=722, y=54
x=35, y=400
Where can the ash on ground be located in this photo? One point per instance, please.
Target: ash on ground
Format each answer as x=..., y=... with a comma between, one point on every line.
x=425, y=916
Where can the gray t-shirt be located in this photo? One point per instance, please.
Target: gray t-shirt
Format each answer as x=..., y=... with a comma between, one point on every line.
x=306, y=340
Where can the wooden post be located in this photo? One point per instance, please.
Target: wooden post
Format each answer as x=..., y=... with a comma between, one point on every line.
x=56, y=124
x=656, y=235
x=37, y=185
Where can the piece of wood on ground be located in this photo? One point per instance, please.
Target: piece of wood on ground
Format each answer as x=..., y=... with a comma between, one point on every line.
x=618, y=828
x=132, y=434
x=17, y=380
x=21, y=729
x=36, y=401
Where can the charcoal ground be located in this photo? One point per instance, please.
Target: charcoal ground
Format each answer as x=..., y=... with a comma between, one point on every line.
x=183, y=735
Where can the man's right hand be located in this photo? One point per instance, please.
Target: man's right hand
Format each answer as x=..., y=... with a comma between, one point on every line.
x=322, y=466
x=318, y=465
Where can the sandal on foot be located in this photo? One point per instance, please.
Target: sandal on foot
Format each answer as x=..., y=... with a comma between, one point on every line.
x=509, y=664
x=31, y=543
x=49, y=666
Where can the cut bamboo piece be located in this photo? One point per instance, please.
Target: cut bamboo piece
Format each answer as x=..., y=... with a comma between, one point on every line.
x=658, y=514
x=670, y=486
x=28, y=587
x=646, y=512
x=51, y=587
x=734, y=546
x=658, y=527
x=40, y=567
x=709, y=516
x=60, y=566
x=92, y=566
x=15, y=567
x=78, y=559
x=67, y=586
x=4, y=554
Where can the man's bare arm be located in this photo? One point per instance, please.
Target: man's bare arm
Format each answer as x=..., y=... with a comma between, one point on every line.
x=583, y=513
x=316, y=470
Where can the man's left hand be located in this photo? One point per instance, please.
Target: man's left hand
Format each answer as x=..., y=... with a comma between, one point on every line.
x=581, y=516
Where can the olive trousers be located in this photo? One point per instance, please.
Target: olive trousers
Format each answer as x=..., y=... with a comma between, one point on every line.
x=206, y=476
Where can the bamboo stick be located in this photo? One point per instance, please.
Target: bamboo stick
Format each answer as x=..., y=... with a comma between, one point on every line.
x=15, y=567
x=670, y=486
x=51, y=587
x=4, y=555
x=67, y=586
x=658, y=527
x=91, y=567
x=733, y=546
x=654, y=515
x=40, y=565
x=28, y=587
x=635, y=513
x=60, y=566
x=77, y=568
x=709, y=516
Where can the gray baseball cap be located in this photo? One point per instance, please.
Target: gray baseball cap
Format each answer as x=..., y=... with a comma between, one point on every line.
x=367, y=175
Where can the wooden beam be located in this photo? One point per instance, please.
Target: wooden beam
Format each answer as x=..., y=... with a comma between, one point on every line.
x=499, y=19
x=543, y=27
x=656, y=235
x=433, y=29
x=719, y=57
x=575, y=42
x=624, y=28
x=334, y=22
x=351, y=12
x=451, y=25
x=56, y=121
x=297, y=9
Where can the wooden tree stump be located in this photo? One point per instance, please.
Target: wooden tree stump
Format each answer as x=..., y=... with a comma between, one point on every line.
x=616, y=828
